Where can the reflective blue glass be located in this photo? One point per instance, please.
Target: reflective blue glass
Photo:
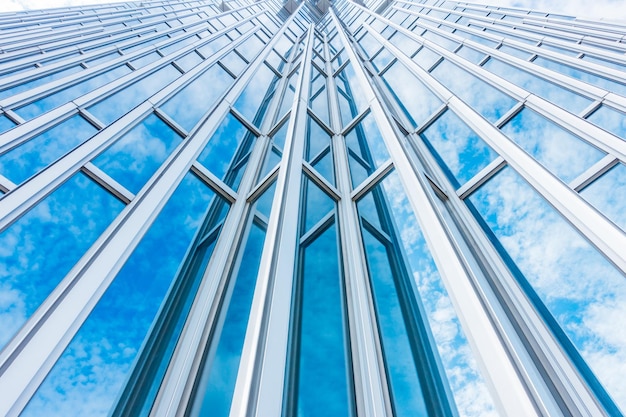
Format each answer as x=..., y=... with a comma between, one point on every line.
x=610, y=119
x=113, y=107
x=558, y=150
x=460, y=151
x=414, y=98
x=88, y=376
x=68, y=94
x=482, y=97
x=581, y=290
x=249, y=103
x=426, y=58
x=50, y=238
x=323, y=368
x=608, y=194
x=366, y=142
x=191, y=103
x=39, y=81
x=214, y=393
x=133, y=158
x=227, y=148
x=318, y=205
x=5, y=123
x=37, y=153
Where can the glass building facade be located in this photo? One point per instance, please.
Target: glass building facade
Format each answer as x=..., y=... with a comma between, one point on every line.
x=352, y=208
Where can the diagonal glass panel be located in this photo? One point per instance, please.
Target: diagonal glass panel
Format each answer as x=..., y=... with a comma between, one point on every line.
x=325, y=166
x=192, y=102
x=555, y=148
x=29, y=158
x=227, y=151
x=318, y=204
x=608, y=194
x=460, y=152
x=133, y=158
x=49, y=239
x=252, y=103
x=482, y=97
x=87, y=378
x=366, y=142
x=317, y=139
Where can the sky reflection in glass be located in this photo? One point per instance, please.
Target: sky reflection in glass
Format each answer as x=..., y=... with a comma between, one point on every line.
x=322, y=364
x=482, y=97
x=562, y=153
x=37, y=153
x=133, y=158
x=252, y=96
x=228, y=145
x=582, y=291
x=41, y=247
x=88, y=376
x=610, y=119
x=189, y=105
x=460, y=151
x=115, y=106
x=608, y=194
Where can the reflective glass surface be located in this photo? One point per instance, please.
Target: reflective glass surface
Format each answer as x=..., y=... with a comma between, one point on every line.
x=608, y=194
x=133, y=158
x=610, y=119
x=50, y=238
x=89, y=375
x=460, y=151
x=583, y=293
x=35, y=154
x=191, y=103
x=558, y=150
x=250, y=100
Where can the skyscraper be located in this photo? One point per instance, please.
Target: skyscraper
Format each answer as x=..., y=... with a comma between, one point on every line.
x=350, y=208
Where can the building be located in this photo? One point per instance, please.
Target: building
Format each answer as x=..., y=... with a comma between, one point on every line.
x=379, y=208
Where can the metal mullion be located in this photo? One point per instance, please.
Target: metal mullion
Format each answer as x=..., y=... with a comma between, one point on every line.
x=481, y=177
x=214, y=182
x=317, y=229
x=176, y=390
x=108, y=183
x=510, y=392
x=320, y=181
x=33, y=351
x=368, y=369
x=372, y=180
x=594, y=172
x=259, y=391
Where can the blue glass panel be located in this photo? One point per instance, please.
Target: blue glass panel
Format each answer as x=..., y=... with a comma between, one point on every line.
x=261, y=85
x=145, y=60
x=214, y=394
x=608, y=194
x=234, y=63
x=482, y=97
x=583, y=293
x=604, y=83
x=133, y=159
x=264, y=202
x=39, y=81
x=250, y=48
x=323, y=368
x=426, y=58
x=470, y=54
x=406, y=392
x=68, y=94
x=43, y=245
x=325, y=167
x=5, y=123
x=370, y=45
x=317, y=139
x=280, y=136
x=515, y=52
x=560, y=96
x=228, y=146
x=610, y=119
x=319, y=105
x=115, y=106
x=189, y=105
x=468, y=386
x=318, y=205
x=414, y=98
x=382, y=59
x=460, y=151
x=102, y=352
x=558, y=150
x=272, y=159
x=366, y=141
x=37, y=153
x=208, y=49
x=189, y=61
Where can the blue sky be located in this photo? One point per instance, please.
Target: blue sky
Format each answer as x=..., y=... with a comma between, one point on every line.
x=582, y=8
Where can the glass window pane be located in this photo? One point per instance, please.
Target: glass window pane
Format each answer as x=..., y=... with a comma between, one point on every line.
x=426, y=58
x=250, y=100
x=228, y=146
x=113, y=107
x=68, y=94
x=103, y=350
x=318, y=205
x=189, y=61
x=560, y=96
x=50, y=238
x=133, y=158
x=482, y=97
x=324, y=166
x=610, y=119
x=191, y=103
x=319, y=105
x=608, y=194
x=414, y=98
x=39, y=81
x=460, y=152
x=317, y=139
x=37, y=153
x=558, y=150
x=322, y=365
x=234, y=63
x=582, y=291
x=366, y=142
x=5, y=123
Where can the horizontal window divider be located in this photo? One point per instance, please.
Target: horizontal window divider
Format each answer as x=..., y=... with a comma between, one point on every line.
x=108, y=183
x=593, y=173
x=482, y=177
x=320, y=181
x=213, y=182
x=372, y=181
